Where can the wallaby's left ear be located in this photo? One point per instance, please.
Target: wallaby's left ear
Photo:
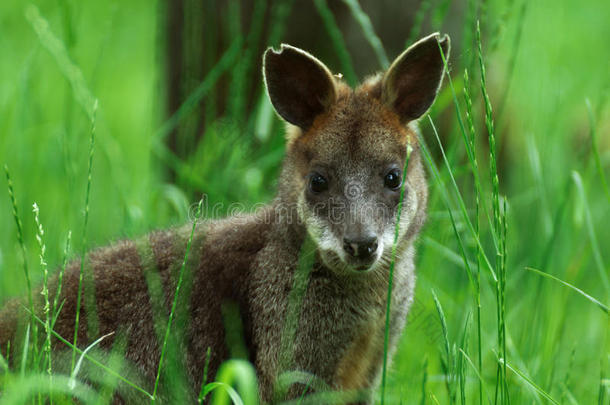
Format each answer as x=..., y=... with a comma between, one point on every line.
x=410, y=85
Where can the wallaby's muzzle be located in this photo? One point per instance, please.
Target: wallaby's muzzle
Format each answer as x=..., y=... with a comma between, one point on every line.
x=361, y=250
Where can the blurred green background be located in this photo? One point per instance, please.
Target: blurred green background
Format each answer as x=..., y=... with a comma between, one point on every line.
x=182, y=112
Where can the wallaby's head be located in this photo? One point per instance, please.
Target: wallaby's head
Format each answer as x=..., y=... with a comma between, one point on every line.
x=347, y=150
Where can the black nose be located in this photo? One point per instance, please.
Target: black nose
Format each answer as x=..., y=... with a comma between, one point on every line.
x=361, y=247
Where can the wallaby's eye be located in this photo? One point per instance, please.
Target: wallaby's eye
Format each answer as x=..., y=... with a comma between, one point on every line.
x=392, y=179
x=317, y=183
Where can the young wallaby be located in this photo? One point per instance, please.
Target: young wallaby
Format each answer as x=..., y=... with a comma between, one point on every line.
x=339, y=192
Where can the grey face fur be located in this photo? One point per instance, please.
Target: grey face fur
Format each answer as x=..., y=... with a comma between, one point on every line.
x=350, y=146
x=353, y=220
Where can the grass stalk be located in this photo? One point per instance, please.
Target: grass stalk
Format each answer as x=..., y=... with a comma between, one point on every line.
x=26, y=346
x=447, y=365
x=369, y=32
x=499, y=225
x=512, y=61
x=242, y=71
x=418, y=21
x=116, y=361
x=336, y=38
x=476, y=371
x=3, y=363
x=226, y=61
x=57, y=49
x=457, y=191
x=445, y=196
x=529, y=382
x=46, y=310
x=475, y=168
x=460, y=361
x=92, y=360
x=60, y=277
x=175, y=300
x=26, y=272
x=386, y=338
x=295, y=298
x=84, y=236
x=235, y=101
x=469, y=151
x=595, y=301
x=598, y=163
x=204, y=380
x=489, y=123
x=599, y=262
x=439, y=14
x=424, y=381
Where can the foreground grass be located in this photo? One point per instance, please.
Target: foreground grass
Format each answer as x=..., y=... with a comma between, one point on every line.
x=513, y=188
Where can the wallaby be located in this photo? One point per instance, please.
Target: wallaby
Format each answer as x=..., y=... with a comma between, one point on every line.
x=339, y=191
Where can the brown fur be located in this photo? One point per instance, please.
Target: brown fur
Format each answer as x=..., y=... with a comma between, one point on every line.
x=250, y=260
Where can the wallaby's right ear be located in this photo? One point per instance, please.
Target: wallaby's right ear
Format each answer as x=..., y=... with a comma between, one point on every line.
x=300, y=86
x=410, y=85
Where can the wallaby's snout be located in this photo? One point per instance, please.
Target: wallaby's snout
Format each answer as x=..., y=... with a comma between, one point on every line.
x=362, y=248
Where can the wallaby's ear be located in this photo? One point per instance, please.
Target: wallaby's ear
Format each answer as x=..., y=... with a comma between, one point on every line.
x=412, y=81
x=300, y=86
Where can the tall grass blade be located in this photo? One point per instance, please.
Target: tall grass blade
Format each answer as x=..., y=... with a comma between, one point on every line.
x=204, y=380
x=25, y=388
x=461, y=203
x=424, y=381
x=295, y=299
x=57, y=49
x=369, y=32
x=197, y=216
x=93, y=361
x=241, y=374
x=439, y=14
x=529, y=382
x=578, y=290
x=448, y=364
x=386, y=338
x=499, y=223
x=460, y=364
x=475, y=169
x=116, y=361
x=280, y=11
x=45, y=293
x=214, y=387
x=598, y=163
x=604, y=387
x=3, y=363
x=74, y=373
x=489, y=123
x=478, y=374
x=469, y=150
x=226, y=61
x=26, y=272
x=26, y=345
x=336, y=38
x=603, y=273
x=55, y=310
x=90, y=316
x=418, y=21
x=512, y=60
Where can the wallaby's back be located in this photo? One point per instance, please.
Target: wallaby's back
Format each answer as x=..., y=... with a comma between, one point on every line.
x=134, y=286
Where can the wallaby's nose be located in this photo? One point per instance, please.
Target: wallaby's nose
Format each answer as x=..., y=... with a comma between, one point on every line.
x=361, y=247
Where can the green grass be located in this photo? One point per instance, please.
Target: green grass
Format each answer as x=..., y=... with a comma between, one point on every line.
x=512, y=264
